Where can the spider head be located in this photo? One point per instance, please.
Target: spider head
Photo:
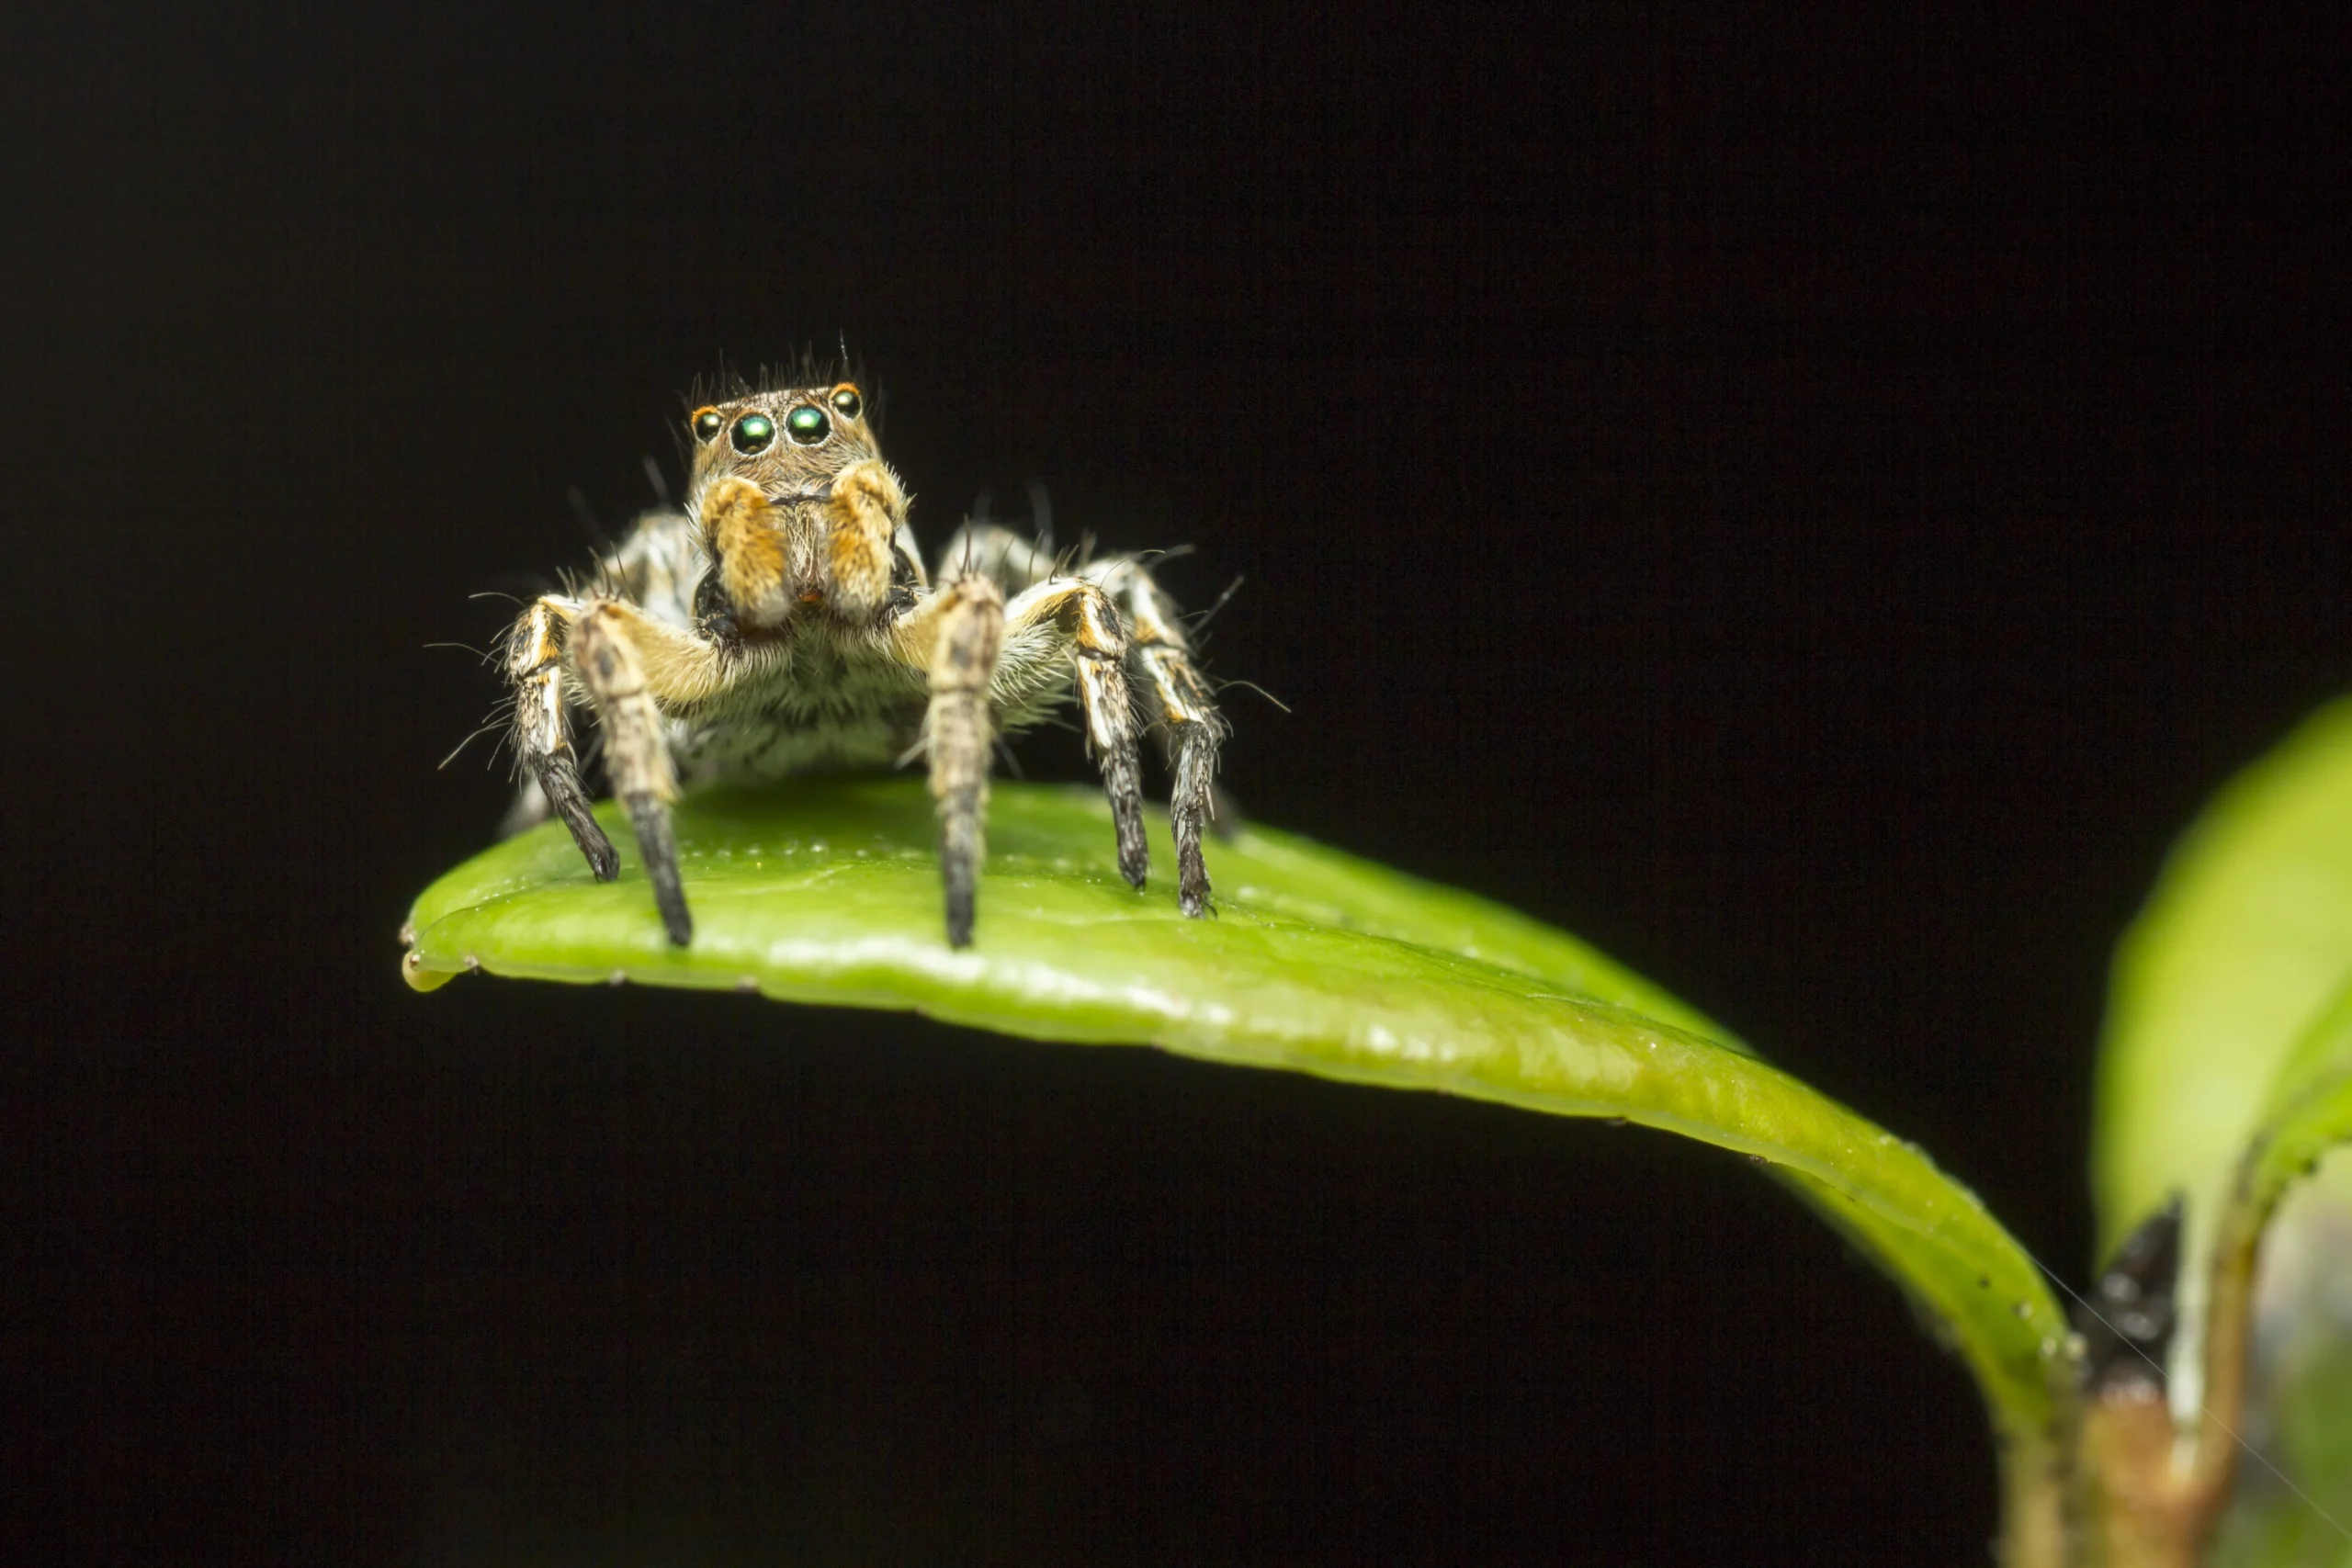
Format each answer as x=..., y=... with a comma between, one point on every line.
x=790, y=443
x=779, y=481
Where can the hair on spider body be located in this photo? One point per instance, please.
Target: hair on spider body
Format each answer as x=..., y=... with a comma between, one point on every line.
x=782, y=620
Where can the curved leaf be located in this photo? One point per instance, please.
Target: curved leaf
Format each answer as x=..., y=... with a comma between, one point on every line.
x=2307, y=1113
x=2304, y=1322
x=2246, y=938
x=1317, y=963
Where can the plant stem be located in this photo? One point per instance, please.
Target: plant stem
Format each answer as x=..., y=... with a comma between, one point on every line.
x=2156, y=1499
x=2146, y=1510
x=2033, y=1504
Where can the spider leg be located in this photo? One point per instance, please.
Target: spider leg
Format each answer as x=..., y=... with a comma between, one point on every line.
x=1079, y=613
x=965, y=623
x=1158, y=660
x=656, y=566
x=628, y=662
x=1070, y=623
x=1021, y=566
x=610, y=663
x=543, y=729
x=982, y=655
x=1190, y=729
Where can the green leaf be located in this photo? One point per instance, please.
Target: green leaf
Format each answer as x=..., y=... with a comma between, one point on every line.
x=2245, y=939
x=1317, y=963
x=2225, y=1074
x=2303, y=1318
x=2307, y=1113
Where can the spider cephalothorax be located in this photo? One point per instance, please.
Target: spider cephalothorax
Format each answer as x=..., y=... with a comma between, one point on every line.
x=784, y=621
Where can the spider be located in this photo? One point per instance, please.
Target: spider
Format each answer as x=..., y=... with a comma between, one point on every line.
x=783, y=621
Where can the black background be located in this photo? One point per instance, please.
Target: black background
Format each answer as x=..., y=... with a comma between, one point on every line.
x=1809, y=498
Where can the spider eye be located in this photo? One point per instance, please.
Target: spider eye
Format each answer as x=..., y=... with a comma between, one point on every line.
x=753, y=432
x=707, y=423
x=808, y=424
x=846, y=403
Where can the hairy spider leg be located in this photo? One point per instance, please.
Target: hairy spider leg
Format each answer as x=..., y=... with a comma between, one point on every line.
x=968, y=636
x=628, y=662
x=637, y=759
x=1083, y=617
x=981, y=652
x=1159, y=664
x=543, y=730
x=1190, y=729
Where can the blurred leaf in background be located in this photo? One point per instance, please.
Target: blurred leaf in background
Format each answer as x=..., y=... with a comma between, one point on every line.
x=2225, y=1076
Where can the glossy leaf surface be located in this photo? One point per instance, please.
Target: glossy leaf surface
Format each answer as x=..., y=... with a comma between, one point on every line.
x=1316, y=962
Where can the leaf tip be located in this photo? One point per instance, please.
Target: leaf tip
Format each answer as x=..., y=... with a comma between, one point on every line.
x=419, y=977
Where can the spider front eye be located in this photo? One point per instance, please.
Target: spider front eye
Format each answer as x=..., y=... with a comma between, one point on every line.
x=847, y=403
x=808, y=424
x=754, y=432
x=707, y=424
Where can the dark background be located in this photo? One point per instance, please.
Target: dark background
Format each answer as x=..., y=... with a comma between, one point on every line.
x=1809, y=498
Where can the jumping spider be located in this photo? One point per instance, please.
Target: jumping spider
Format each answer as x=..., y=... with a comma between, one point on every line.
x=784, y=621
